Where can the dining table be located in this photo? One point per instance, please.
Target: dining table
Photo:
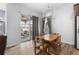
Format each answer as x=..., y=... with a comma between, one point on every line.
x=49, y=38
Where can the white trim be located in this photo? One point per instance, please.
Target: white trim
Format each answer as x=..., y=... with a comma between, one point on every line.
x=68, y=42
x=10, y=45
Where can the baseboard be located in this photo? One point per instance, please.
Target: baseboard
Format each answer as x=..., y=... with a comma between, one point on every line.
x=14, y=44
x=68, y=43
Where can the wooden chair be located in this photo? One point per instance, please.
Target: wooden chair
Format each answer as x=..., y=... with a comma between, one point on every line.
x=40, y=47
x=56, y=45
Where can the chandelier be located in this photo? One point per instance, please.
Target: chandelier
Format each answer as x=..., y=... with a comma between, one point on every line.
x=49, y=11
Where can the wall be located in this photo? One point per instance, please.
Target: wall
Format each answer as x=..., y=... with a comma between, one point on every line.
x=3, y=6
x=13, y=25
x=14, y=12
x=63, y=23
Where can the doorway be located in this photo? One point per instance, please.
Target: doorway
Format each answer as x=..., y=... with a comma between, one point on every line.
x=26, y=28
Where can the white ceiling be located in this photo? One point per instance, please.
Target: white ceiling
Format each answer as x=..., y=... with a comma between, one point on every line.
x=42, y=7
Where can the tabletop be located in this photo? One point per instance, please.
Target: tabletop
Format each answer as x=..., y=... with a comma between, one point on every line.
x=48, y=37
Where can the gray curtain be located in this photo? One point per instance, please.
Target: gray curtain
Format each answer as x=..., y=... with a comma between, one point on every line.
x=35, y=31
x=43, y=21
x=48, y=24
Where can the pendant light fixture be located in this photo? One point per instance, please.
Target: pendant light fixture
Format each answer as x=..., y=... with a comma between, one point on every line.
x=49, y=11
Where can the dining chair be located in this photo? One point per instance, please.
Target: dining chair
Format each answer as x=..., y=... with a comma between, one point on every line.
x=40, y=46
x=55, y=46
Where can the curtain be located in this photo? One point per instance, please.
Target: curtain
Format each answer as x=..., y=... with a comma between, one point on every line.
x=35, y=31
x=49, y=24
x=46, y=25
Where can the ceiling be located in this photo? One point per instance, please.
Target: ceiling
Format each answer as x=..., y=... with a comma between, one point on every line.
x=43, y=7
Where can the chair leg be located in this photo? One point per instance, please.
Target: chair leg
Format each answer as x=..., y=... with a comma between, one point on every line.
x=35, y=47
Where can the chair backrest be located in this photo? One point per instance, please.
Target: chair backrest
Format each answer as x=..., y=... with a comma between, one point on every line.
x=59, y=37
x=56, y=33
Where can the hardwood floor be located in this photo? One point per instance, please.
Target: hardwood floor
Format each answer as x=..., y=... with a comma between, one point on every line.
x=26, y=48
x=67, y=49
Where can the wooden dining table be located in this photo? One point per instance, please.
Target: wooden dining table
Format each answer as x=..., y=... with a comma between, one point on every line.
x=47, y=38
